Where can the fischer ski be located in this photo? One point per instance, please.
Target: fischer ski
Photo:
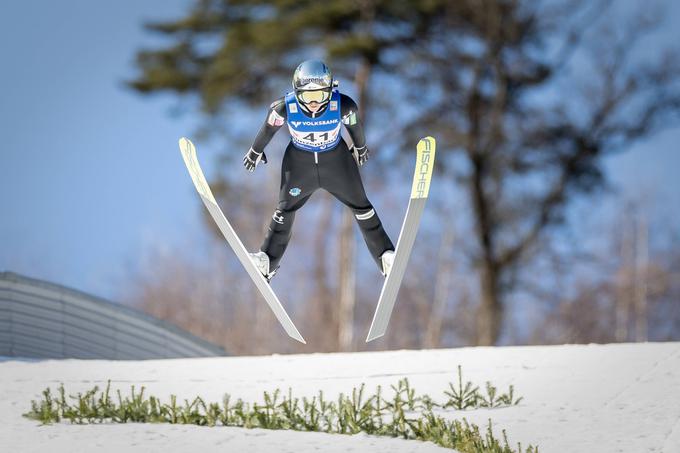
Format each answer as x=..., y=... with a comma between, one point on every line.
x=189, y=154
x=420, y=189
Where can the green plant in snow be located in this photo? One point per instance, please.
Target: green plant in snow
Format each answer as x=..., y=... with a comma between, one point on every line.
x=405, y=414
x=468, y=396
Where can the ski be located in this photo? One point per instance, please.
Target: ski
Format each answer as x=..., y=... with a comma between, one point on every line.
x=189, y=154
x=419, y=191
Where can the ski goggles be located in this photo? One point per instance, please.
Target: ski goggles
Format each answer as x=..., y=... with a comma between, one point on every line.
x=314, y=96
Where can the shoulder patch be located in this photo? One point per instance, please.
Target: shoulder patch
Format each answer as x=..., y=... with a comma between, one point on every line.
x=275, y=119
x=292, y=107
x=350, y=119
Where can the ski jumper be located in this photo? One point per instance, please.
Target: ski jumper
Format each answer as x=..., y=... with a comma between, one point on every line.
x=318, y=158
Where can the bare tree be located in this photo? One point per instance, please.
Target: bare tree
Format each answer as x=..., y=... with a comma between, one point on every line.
x=630, y=296
x=442, y=286
x=521, y=161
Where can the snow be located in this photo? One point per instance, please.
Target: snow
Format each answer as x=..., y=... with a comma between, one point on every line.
x=577, y=398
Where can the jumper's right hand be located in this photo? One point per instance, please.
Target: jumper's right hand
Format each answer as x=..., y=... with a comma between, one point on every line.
x=252, y=158
x=361, y=155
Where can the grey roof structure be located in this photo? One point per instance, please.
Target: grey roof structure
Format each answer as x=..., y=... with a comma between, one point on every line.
x=39, y=319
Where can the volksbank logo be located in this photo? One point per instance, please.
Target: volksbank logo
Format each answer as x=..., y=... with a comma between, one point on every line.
x=423, y=171
x=314, y=123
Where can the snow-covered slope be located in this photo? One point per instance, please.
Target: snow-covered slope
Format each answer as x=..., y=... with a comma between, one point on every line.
x=595, y=398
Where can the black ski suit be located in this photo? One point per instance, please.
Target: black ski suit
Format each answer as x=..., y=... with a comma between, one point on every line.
x=304, y=172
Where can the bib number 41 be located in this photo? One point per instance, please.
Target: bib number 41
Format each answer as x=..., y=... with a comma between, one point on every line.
x=313, y=137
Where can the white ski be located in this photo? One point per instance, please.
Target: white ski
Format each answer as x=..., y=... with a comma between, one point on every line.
x=421, y=186
x=189, y=154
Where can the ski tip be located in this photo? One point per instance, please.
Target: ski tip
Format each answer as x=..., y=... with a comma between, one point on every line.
x=430, y=139
x=298, y=337
x=425, y=152
x=291, y=330
x=373, y=336
x=183, y=142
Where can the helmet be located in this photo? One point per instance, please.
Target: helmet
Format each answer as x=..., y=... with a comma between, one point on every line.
x=313, y=82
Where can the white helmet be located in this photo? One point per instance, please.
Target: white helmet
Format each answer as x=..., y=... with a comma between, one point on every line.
x=313, y=82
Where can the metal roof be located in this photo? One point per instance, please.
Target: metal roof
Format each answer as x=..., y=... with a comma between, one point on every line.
x=39, y=319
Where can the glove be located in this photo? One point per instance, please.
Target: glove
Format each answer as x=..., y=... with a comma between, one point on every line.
x=361, y=155
x=252, y=158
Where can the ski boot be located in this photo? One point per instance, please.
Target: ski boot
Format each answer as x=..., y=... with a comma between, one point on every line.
x=387, y=259
x=261, y=261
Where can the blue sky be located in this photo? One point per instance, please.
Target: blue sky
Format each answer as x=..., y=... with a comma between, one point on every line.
x=91, y=177
x=90, y=172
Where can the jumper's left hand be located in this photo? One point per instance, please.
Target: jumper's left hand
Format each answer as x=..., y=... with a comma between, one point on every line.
x=362, y=155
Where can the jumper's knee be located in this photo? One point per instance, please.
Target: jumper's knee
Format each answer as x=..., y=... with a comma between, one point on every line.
x=284, y=212
x=364, y=214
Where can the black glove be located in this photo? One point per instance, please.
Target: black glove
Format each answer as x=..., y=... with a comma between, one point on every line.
x=361, y=155
x=252, y=158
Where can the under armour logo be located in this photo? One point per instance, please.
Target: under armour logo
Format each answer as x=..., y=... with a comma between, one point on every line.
x=278, y=217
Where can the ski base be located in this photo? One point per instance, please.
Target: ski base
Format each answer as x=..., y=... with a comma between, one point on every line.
x=419, y=192
x=189, y=154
